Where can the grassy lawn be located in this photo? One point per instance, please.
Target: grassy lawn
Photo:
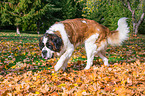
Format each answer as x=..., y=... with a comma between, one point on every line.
x=20, y=55
x=18, y=49
x=24, y=48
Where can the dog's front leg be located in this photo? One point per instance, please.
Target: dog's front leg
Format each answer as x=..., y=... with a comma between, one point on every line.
x=62, y=63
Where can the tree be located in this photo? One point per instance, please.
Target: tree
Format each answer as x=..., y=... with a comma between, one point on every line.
x=44, y=13
x=136, y=7
x=23, y=12
x=6, y=19
x=106, y=12
x=69, y=8
x=13, y=11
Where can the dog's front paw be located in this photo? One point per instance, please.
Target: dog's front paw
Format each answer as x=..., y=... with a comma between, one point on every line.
x=56, y=67
x=87, y=67
x=63, y=68
x=106, y=64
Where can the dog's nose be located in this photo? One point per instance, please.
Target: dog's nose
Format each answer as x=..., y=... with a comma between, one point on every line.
x=44, y=51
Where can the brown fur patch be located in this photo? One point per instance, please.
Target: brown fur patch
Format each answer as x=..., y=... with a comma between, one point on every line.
x=78, y=31
x=51, y=37
x=51, y=42
x=57, y=33
x=40, y=39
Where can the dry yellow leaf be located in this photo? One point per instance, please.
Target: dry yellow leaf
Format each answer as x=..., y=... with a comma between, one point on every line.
x=83, y=56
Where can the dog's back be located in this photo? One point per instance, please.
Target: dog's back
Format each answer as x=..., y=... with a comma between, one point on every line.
x=79, y=30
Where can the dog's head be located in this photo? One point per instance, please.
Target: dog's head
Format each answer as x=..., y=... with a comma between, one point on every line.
x=49, y=44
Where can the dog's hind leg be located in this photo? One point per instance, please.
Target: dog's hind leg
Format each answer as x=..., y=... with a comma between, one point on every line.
x=90, y=50
x=102, y=55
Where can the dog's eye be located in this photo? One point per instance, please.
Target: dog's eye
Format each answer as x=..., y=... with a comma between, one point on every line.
x=42, y=45
x=48, y=45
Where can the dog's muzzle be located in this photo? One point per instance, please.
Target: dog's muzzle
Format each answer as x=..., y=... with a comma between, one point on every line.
x=46, y=55
x=44, y=52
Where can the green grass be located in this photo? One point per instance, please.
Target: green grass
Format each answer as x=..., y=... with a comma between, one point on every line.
x=26, y=43
x=24, y=49
x=24, y=37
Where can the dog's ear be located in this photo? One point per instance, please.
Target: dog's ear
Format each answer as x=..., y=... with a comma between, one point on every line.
x=41, y=45
x=57, y=41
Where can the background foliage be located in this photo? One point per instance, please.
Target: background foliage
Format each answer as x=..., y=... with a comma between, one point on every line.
x=24, y=72
x=38, y=15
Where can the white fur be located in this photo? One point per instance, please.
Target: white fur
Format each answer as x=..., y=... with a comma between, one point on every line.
x=90, y=48
x=102, y=50
x=67, y=49
x=102, y=47
x=84, y=21
x=105, y=60
x=90, y=44
x=49, y=52
x=98, y=29
x=45, y=40
x=59, y=27
x=123, y=32
x=123, y=29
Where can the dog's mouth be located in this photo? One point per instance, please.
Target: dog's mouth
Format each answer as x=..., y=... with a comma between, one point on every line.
x=47, y=57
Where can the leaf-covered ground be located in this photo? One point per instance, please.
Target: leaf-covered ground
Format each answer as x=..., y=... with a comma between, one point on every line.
x=24, y=72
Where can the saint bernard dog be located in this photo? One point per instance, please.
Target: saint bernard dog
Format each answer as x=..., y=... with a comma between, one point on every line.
x=62, y=38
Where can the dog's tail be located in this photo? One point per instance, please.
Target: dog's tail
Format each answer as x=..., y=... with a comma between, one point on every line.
x=118, y=36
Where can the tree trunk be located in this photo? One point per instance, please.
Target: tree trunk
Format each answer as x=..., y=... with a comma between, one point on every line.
x=18, y=31
x=133, y=15
x=134, y=21
x=38, y=27
x=139, y=22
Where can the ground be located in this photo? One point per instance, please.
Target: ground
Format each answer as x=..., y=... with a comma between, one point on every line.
x=24, y=72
